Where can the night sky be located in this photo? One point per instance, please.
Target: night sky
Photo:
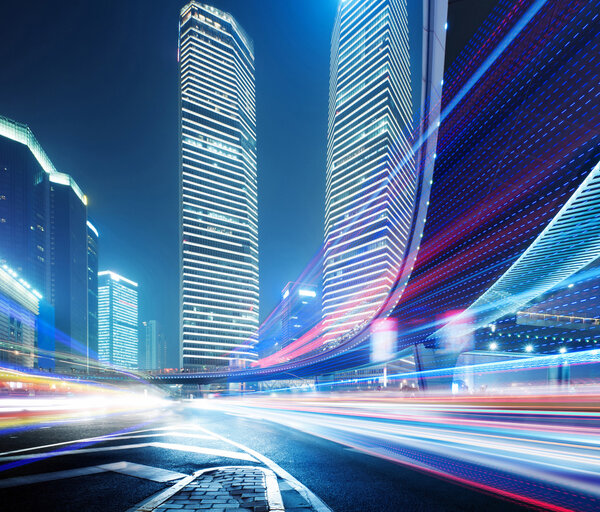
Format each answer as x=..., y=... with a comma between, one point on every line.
x=97, y=82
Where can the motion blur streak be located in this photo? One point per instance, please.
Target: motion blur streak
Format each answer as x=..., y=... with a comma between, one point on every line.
x=540, y=450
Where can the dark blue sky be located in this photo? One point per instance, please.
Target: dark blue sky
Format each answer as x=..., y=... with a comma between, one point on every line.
x=98, y=84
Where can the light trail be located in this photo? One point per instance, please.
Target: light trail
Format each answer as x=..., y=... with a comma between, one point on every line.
x=543, y=451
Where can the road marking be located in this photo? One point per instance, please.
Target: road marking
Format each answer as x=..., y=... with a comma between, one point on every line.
x=205, y=451
x=123, y=467
x=169, y=446
x=317, y=504
x=109, y=437
x=142, y=471
x=48, y=477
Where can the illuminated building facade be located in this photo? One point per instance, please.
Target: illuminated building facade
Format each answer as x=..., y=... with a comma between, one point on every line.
x=371, y=179
x=69, y=272
x=26, y=323
x=524, y=134
x=92, y=279
x=218, y=207
x=43, y=233
x=149, y=346
x=117, y=320
x=300, y=311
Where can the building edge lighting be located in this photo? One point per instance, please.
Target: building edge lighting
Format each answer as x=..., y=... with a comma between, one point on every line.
x=21, y=133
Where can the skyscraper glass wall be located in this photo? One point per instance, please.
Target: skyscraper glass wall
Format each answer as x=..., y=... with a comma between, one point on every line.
x=218, y=208
x=92, y=266
x=43, y=234
x=117, y=320
x=371, y=181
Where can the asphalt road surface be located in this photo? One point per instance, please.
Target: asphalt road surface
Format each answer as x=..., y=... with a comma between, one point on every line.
x=113, y=462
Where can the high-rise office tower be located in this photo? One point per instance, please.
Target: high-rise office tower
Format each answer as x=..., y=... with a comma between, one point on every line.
x=149, y=346
x=69, y=273
x=92, y=275
x=300, y=311
x=117, y=320
x=371, y=182
x=43, y=234
x=218, y=208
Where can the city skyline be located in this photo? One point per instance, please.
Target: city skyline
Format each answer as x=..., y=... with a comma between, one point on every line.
x=424, y=175
x=289, y=76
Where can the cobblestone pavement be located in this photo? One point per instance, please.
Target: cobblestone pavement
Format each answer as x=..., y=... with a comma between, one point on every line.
x=236, y=489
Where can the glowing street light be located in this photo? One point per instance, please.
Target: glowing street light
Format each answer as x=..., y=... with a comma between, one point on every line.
x=562, y=350
x=529, y=348
x=493, y=345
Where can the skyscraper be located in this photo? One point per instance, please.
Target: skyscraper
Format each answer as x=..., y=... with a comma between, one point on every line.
x=92, y=267
x=218, y=206
x=43, y=234
x=69, y=272
x=371, y=181
x=149, y=346
x=117, y=320
x=300, y=311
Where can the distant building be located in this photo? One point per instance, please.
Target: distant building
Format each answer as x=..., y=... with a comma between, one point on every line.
x=117, y=320
x=218, y=186
x=300, y=311
x=92, y=276
x=26, y=323
x=162, y=352
x=43, y=234
x=148, y=348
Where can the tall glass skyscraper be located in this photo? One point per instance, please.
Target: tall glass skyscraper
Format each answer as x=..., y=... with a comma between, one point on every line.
x=92, y=267
x=371, y=179
x=117, y=320
x=218, y=208
x=43, y=235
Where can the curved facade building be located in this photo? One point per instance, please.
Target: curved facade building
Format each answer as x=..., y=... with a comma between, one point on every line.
x=518, y=138
x=371, y=179
x=218, y=186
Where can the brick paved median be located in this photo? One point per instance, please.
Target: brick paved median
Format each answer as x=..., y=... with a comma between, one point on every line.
x=240, y=489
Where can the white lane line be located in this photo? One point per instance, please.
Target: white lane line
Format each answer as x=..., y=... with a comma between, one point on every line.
x=169, y=446
x=142, y=471
x=123, y=467
x=166, y=434
x=317, y=504
x=109, y=437
x=48, y=477
x=205, y=451
x=73, y=452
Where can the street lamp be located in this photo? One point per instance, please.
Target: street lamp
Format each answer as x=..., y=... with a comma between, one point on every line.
x=529, y=348
x=493, y=345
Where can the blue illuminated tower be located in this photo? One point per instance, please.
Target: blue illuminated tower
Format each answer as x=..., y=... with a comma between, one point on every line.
x=117, y=320
x=371, y=182
x=92, y=266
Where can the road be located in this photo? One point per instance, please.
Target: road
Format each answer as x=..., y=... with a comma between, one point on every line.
x=113, y=462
